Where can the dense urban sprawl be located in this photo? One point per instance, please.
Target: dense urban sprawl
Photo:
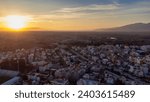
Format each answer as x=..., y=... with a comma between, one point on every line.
x=82, y=65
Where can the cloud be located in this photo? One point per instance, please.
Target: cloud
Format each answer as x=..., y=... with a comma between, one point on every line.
x=76, y=12
x=98, y=11
x=137, y=8
x=93, y=10
x=33, y=28
x=92, y=7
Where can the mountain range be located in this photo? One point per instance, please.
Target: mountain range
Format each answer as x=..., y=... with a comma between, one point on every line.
x=136, y=27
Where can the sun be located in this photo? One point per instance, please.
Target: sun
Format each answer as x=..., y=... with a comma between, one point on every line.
x=16, y=22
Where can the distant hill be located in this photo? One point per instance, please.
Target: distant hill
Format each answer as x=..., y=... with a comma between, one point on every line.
x=137, y=27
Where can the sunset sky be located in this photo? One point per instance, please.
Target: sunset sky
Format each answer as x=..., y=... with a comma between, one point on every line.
x=76, y=14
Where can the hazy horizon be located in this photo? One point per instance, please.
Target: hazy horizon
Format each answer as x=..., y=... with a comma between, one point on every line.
x=75, y=15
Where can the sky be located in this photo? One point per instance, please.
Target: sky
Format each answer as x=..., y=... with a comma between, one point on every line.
x=76, y=14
